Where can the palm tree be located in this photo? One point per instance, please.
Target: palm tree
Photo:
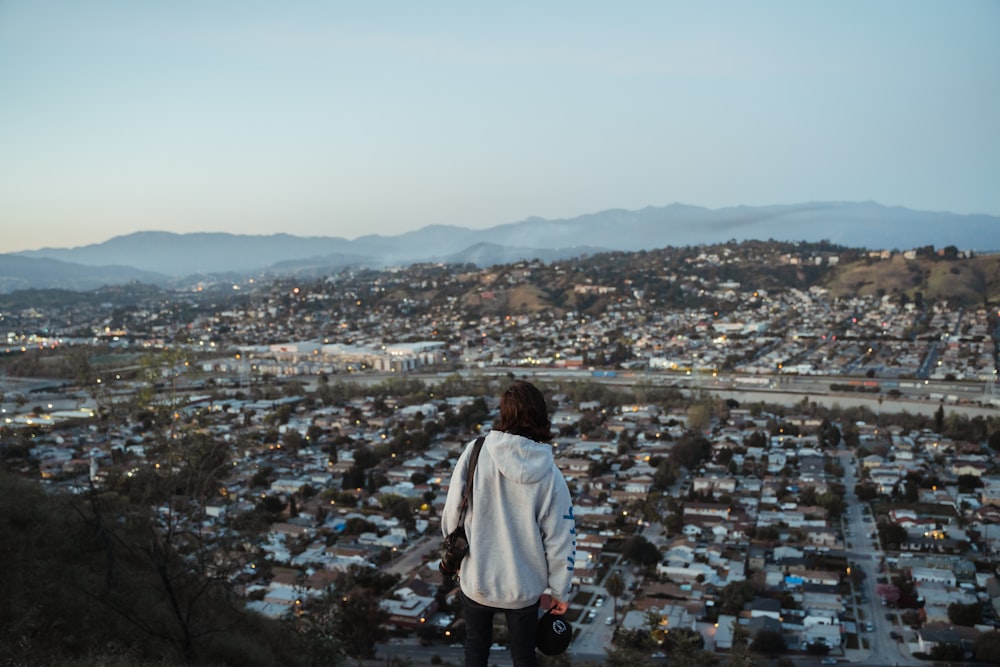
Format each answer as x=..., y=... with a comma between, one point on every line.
x=615, y=586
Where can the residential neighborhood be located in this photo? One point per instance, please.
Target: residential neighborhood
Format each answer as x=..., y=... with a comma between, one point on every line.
x=769, y=519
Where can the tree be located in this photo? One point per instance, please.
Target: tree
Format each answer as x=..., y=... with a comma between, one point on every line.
x=402, y=510
x=833, y=503
x=965, y=614
x=892, y=535
x=674, y=523
x=768, y=642
x=665, y=475
x=888, y=592
x=969, y=483
x=291, y=441
x=829, y=435
x=734, y=596
x=272, y=504
x=947, y=652
x=987, y=647
x=691, y=451
x=75, y=586
x=686, y=647
x=699, y=417
x=166, y=367
x=627, y=656
x=808, y=495
x=756, y=439
x=865, y=491
x=359, y=623
x=741, y=656
x=994, y=441
x=640, y=550
x=615, y=586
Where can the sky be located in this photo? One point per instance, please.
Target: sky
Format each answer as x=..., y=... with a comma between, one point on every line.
x=334, y=118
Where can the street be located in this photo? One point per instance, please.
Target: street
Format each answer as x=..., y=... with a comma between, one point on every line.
x=864, y=552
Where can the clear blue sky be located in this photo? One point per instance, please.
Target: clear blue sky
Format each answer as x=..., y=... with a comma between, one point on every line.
x=349, y=118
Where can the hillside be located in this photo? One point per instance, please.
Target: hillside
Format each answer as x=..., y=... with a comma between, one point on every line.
x=79, y=590
x=969, y=281
x=671, y=277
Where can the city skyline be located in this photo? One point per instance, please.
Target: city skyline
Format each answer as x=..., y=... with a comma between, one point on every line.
x=344, y=121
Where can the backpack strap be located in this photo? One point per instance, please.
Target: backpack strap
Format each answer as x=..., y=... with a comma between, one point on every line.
x=467, y=496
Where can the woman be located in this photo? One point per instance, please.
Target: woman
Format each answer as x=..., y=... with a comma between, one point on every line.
x=520, y=526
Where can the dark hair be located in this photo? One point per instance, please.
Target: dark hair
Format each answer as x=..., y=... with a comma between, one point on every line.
x=523, y=412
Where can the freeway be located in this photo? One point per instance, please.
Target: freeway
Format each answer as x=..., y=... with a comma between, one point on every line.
x=915, y=396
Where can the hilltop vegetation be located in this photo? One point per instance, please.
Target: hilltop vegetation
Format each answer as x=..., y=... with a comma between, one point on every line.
x=688, y=277
x=966, y=281
x=79, y=590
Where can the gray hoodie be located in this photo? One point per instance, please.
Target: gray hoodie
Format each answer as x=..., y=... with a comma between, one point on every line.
x=522, y=534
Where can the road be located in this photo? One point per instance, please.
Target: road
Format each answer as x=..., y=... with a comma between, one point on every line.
x=781, y=389
x=865, y=552
x=415, y=554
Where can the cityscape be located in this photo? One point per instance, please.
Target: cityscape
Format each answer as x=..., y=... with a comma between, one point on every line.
x=269, y=270
x=772, y=475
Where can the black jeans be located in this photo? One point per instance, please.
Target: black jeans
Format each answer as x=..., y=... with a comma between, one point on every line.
x=521, y=626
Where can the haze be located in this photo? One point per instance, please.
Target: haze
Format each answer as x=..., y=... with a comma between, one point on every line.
x=345, y=119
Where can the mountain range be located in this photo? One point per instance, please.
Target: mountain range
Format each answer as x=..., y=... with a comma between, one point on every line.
x=171, y=259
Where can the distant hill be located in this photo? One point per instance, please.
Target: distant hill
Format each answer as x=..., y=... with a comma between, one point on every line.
x=966, y=281
x=166, y=258
x=936, y=276
x=18, y=272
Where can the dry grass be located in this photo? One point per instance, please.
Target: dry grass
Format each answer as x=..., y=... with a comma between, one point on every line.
x=525, y=299
x=968, y=281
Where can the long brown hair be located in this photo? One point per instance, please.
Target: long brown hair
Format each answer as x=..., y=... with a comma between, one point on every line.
x=523, y=412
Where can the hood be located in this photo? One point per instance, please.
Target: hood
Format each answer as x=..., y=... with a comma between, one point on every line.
x=519, y=459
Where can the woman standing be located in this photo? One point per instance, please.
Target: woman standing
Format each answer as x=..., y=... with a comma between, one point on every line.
x=520, y=526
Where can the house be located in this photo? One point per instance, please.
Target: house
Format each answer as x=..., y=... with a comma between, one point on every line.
x=822, y=604
x=756, y=558
x=928, y=574
x=641, y=484
x=822, y=633
x=937, y=634
x=759, y=624
x=687, y=572
x=407, y=610
x=974, y=468
x=765, y=607
x=822, y=537
x=820, y=577
x=706, y=510
x=715, y=485
x=725, y=629
x=872, y=461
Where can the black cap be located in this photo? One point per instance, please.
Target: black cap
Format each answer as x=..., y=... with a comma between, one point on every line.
x=554, y=634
